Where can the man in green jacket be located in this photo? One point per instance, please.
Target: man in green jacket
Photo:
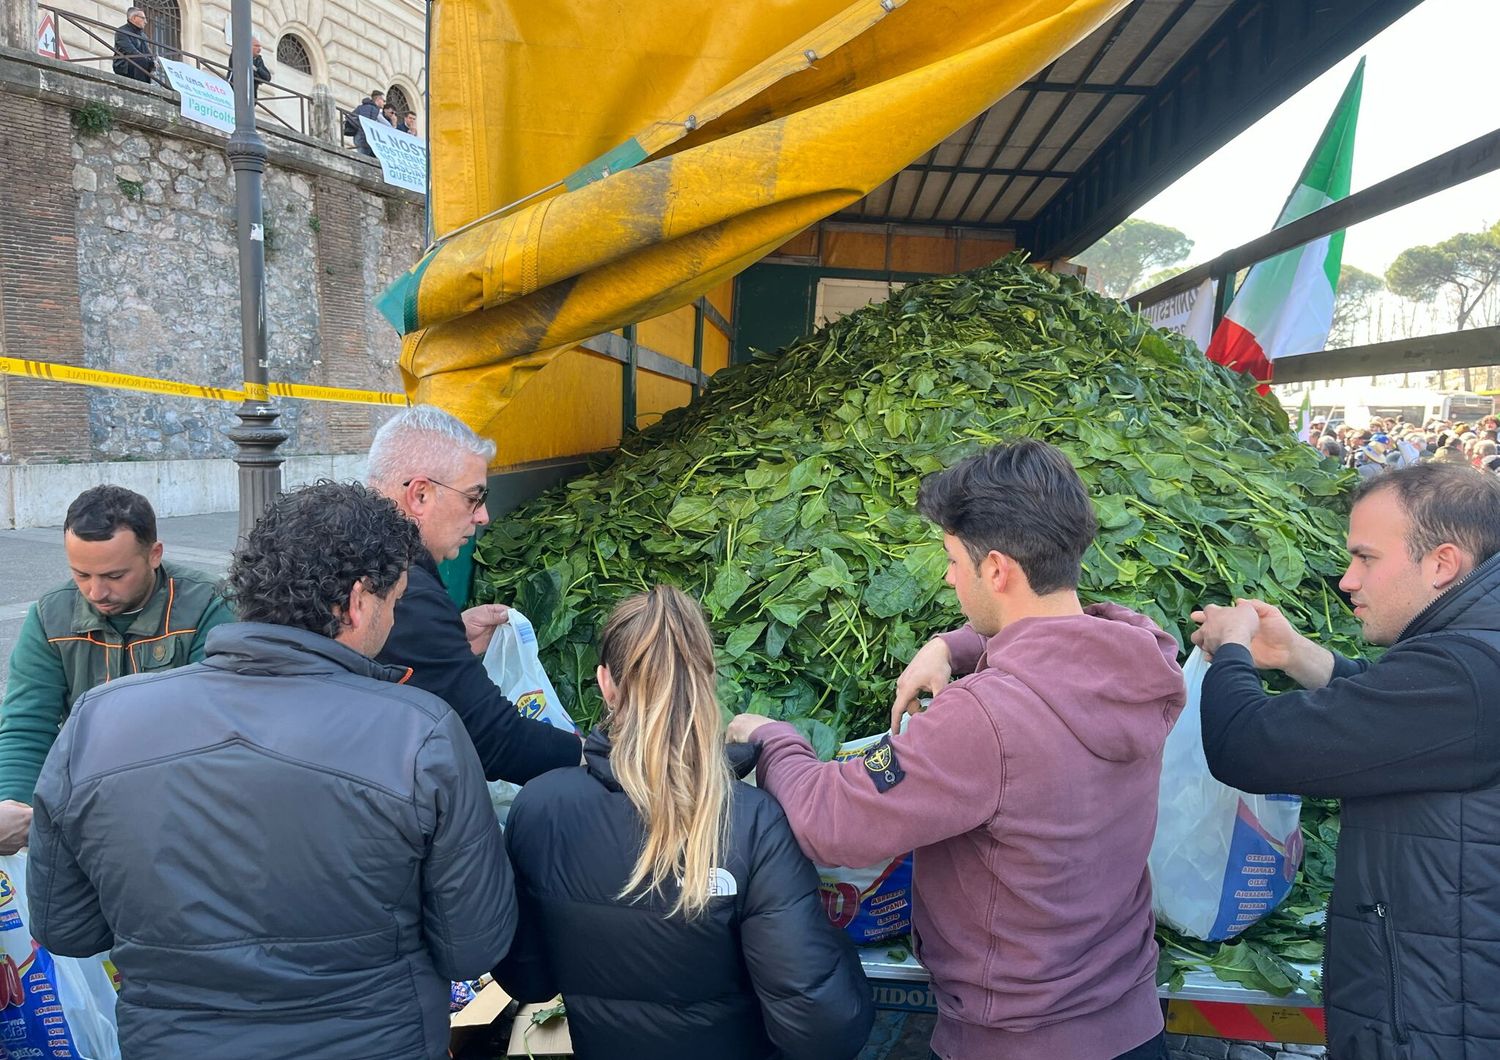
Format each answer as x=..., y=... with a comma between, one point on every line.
x=124, y=612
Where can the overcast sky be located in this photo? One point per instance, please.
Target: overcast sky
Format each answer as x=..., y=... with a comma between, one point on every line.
x=1432, y=82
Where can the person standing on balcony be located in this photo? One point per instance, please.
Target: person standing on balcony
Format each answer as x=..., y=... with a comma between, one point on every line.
x=261, y=74
x=370, y=107
x=133, y=56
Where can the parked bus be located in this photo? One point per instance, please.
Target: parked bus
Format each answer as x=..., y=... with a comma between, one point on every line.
x=1358, y=406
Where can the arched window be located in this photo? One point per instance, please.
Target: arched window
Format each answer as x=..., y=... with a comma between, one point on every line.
x=292, y=54
x=397, y=98
x=163, y=26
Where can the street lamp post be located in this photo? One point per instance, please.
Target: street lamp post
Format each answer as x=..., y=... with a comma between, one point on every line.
x=256, y=437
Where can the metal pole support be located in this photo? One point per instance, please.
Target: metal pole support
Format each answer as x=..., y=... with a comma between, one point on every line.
x=1223, y=297
x=257, y=437
x=628, y=382
x=698, y=314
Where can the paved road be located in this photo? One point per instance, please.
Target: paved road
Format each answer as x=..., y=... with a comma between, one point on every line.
x=33, y=562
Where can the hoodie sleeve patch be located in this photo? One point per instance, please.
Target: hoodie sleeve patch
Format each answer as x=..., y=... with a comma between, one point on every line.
x=882, y=766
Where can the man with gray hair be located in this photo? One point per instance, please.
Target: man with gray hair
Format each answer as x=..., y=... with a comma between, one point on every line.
x=133, y=57
x=434, y=468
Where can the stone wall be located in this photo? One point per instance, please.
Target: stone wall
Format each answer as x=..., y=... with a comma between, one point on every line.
x=117, y=252
x=39, y=300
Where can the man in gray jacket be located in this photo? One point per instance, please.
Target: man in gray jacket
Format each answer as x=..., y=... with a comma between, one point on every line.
x=288, y=851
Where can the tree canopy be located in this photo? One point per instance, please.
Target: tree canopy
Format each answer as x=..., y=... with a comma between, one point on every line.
x=1351, y=303
x=1467, y=265
x=1134, y=247
x=1161, y=276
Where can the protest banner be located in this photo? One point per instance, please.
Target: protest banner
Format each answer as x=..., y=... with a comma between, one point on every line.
x=1190, y=314
x=403, y=157
x=206, y=99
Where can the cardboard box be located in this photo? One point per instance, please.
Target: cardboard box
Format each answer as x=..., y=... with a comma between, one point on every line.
x=549, y=1039
x=483, y=1010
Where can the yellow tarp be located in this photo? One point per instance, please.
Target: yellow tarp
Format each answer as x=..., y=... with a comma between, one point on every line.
x=755, y=120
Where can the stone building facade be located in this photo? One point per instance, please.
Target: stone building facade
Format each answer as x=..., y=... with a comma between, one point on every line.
x=118, y=252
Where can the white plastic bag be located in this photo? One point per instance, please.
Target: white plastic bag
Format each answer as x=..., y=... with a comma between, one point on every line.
x=49, y=1006
x=870, y=903
x=513, y=664
x=1221, y=859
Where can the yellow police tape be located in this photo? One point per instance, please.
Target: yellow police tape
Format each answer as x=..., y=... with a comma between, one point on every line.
x=66, y=373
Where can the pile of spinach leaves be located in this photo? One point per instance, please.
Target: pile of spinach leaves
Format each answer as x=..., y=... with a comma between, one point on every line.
x=784, y=499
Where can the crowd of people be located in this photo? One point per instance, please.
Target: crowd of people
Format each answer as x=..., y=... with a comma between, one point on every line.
x=1389, y=443
x=376, y=109
x=268, y=801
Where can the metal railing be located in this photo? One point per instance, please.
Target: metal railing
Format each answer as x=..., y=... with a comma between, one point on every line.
x=101, y=34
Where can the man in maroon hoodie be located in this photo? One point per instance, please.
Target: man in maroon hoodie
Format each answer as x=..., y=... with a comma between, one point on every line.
x=1028, y=788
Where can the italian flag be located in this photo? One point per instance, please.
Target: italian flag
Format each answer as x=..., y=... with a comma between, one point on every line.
x=1304, y=418
x=1285, y=305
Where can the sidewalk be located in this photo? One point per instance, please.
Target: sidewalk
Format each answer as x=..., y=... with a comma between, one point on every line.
x=34, y=562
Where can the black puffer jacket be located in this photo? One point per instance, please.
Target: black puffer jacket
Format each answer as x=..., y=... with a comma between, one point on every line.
x=1412, y=746
x=762, y=974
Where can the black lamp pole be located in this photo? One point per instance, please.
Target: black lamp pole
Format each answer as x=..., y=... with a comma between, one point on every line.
x=256, y=437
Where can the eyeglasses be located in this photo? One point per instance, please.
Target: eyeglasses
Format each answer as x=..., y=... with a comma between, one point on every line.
x=476, y=500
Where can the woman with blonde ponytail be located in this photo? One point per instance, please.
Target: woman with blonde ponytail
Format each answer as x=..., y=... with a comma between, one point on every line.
x=668, y=903
x=668, y=742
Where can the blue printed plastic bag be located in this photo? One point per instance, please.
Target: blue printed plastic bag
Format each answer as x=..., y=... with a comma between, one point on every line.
x=1222, y=859
x=57, y=1008
x=870, y=903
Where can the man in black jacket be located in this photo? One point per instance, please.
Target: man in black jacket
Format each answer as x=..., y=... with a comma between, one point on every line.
x=260, y=73
x=133, y=58
x=1410, y=743
x=369, y=107
x=434, y=467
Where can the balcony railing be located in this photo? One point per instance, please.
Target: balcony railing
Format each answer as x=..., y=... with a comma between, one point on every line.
x=276, y=106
